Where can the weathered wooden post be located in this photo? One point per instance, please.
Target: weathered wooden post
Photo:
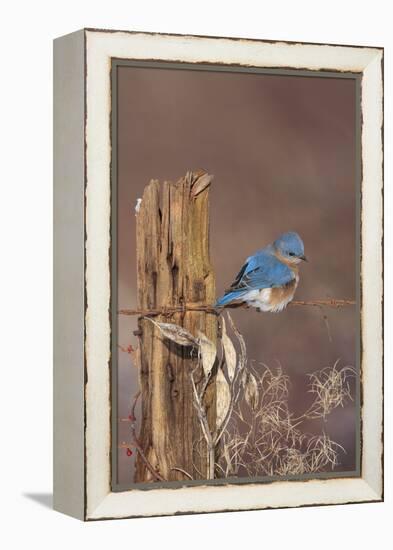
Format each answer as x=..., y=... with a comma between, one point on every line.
x=174, y=270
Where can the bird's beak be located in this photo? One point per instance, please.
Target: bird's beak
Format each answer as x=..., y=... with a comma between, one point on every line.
x=303, y=258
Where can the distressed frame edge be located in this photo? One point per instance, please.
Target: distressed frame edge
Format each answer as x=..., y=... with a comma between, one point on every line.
x=372, y=274
x=69, y=277
x=199, y=498
x=373, y=488
x=235, y=38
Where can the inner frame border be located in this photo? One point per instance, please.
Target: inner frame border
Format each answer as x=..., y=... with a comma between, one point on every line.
x=228, y=68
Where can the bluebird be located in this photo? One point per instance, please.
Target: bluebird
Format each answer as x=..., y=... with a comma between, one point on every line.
x=269, y=278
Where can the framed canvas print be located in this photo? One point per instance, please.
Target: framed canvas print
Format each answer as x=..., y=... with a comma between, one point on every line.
x=218, y=274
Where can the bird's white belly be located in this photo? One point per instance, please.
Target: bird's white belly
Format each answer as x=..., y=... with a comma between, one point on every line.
x=266, y=299
x=259, y=298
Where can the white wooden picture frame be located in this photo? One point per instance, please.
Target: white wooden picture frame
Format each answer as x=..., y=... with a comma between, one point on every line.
x=82, y=335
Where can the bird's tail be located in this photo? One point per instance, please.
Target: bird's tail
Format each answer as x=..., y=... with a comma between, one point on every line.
x=229, y=297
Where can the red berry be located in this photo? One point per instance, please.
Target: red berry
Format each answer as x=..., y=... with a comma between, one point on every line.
x=129, y=452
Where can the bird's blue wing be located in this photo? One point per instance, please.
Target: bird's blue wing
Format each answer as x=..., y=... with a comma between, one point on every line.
x=263, y=270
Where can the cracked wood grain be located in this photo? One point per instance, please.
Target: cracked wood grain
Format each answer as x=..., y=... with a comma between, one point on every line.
x=173, y=268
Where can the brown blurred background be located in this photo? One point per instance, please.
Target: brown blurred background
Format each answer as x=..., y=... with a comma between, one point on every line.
x=282, y=149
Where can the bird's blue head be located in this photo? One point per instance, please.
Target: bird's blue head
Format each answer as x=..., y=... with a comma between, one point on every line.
x=290, y=246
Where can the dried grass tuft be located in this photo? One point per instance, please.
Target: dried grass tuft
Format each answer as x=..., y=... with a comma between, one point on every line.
x=263, y=438
x=332, y=389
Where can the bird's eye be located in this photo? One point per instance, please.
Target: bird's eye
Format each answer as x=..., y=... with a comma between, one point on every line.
x=291, y=254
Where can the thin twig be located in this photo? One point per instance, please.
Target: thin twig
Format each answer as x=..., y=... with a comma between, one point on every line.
x=137, y=444
x=183, y=472
x=334, y=302
x=204, y=425
x=239, y=368
x=201, y=413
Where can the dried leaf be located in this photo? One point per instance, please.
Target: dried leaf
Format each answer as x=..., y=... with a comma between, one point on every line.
x=244, y=378
x=243, y=349
x=226, y=454
x=223, y=398
x=175, y=333
x=251, y=391
x=229, y=351
x=201, y=183
x=208, y=353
